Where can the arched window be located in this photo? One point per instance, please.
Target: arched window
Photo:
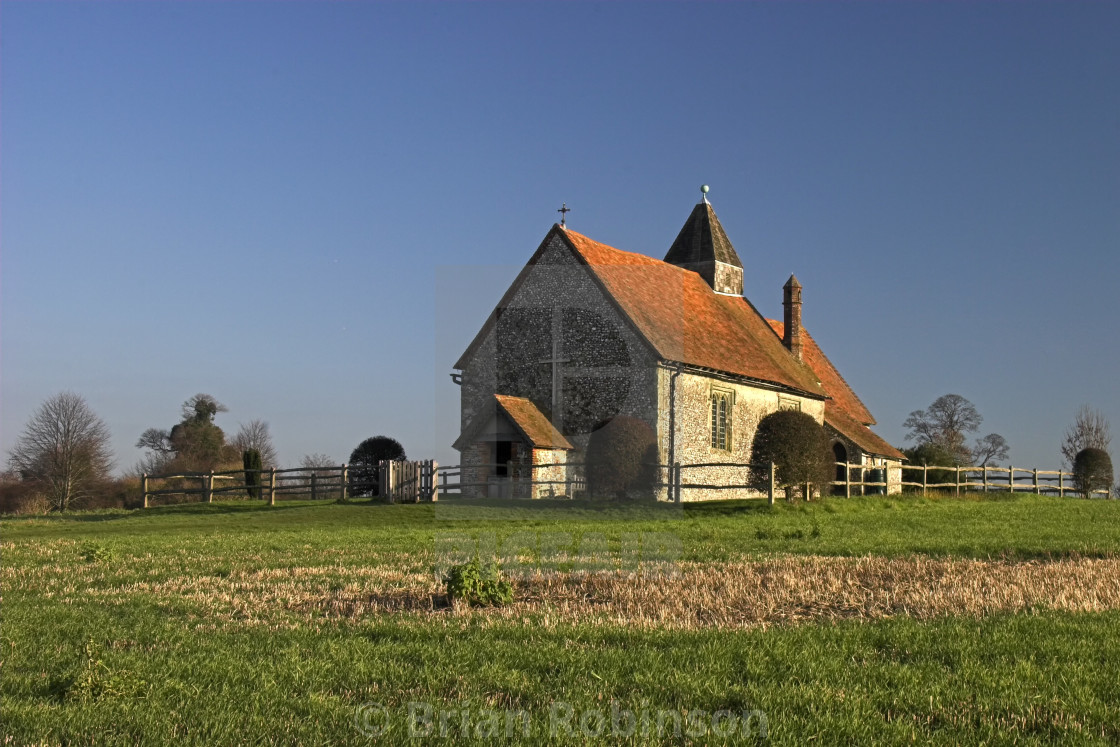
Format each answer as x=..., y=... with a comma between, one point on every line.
x=721, y=404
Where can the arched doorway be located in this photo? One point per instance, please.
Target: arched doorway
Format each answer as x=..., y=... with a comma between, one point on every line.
x=840, y=452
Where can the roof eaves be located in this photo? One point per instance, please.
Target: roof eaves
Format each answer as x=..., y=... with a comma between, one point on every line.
x=744, y=379
x=860, y=434
x=773, y=324
x=806, y=368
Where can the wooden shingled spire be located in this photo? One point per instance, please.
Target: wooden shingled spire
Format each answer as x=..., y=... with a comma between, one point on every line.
x=703, y=247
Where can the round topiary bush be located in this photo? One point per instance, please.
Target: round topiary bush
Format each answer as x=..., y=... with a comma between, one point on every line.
x=622, y=459
x=364, y=469
x=1092, y=471
x=798, y=445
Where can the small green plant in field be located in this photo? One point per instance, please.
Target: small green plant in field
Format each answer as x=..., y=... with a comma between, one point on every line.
x=96, y=680
x=478, y=584
x=95, y=552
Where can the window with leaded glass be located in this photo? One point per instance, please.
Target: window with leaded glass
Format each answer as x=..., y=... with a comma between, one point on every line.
x=721, y=419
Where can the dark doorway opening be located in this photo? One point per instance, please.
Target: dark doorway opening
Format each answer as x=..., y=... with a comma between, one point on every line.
x=503, y=454
x=841, y=455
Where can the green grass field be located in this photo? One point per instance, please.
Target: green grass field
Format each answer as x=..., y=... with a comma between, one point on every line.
x=865, y=620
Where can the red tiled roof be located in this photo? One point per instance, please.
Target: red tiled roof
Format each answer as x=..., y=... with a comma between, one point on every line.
x=684, y=320
x=844, y=411
x=532, y=423
x=833, y=383
x=858, y=433
x=525, y=418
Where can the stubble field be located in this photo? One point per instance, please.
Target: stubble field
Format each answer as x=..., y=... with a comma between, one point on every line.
x=867, y=619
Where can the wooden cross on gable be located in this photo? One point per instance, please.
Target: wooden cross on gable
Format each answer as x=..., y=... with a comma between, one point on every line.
x=556, y=361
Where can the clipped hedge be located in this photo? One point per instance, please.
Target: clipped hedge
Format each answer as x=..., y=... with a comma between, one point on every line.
x=622, y=460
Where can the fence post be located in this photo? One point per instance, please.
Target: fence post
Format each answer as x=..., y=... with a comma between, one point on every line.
x=847, y=480
x=985, y=478
x=1037, y=488
x=527, y=468
x=958, y=481
x=1011, y=478
x=925, y=479
x=144, y=487
x=314, y=485
x=435, y=481
x=209, y=483
x=272, y=486
x=772, y=488
x=676, y=482
x=1061, y=484
x=343, y=488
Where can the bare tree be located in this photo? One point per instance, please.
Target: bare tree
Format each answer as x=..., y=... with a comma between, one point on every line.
x=318, y=461
x=323, y=465
x=945, y=426
x=1090, y=430
x=202, y=407
x=64, y=450
x=255, y=435
x=160, y=453
x=156, y=439
x=991, y=448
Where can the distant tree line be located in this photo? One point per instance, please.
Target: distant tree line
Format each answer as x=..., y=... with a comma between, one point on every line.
x=62, y=460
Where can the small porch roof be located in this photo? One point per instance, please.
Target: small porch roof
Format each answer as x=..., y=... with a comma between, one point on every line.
x=526, y=419
x=858, y=433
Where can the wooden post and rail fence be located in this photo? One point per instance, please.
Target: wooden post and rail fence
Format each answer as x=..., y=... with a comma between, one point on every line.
x=402, y=482
x=397, y=481
x=994, y=479
x=516, y=480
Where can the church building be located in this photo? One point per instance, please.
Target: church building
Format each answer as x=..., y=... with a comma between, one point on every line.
x=587, y=332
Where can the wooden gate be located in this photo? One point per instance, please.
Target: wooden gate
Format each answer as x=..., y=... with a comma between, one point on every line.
x=408, y=482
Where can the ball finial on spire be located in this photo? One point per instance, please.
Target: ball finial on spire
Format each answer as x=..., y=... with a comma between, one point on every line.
x=704, y=192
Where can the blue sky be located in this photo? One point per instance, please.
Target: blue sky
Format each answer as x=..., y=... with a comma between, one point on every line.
x=307, y=209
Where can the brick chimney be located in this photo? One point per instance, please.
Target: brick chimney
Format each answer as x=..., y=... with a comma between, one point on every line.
x=792, y=303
